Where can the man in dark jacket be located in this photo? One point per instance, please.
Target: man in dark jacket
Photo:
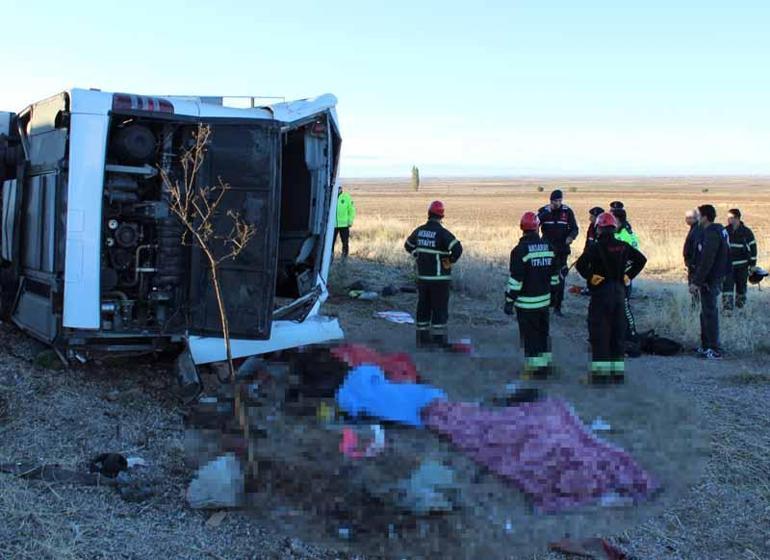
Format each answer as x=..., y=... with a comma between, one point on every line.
x=533, y=276
x=743, y=257
x=608, y=265
x=690, y=250
x=435, y=250
x=560, y=229
x=713, y=260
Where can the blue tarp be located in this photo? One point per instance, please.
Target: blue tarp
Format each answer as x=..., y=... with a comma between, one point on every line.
x=367, y=391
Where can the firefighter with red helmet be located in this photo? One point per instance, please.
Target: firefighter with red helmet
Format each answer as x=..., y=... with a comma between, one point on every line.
x=435, y=250
x=534, y=276
x=609, y=265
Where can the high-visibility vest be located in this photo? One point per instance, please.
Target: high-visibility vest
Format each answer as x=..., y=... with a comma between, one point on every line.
x=346, y=210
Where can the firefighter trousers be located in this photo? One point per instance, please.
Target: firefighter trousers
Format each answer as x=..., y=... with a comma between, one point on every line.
x=432, y=310
x=607, y=329
x=630, y=320
x=533, y=332
x=735, y=287
x=560, y=262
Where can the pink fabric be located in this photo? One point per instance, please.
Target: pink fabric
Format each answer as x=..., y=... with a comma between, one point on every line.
x=544, y=449
x=398, y=368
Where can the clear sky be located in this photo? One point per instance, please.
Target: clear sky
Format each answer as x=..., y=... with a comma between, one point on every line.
x=458, y=88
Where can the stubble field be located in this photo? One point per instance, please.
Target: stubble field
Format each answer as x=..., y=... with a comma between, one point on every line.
x=484, y=214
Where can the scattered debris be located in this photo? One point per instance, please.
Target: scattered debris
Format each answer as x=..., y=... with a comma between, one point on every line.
x=462, y=346
x=218, y=484
x=431, y=488
x=55, y=473
x=133, y=462
x=108, y=464
x=216, y=519
x=389, y=290
x=589, y=548
x=358, y=285
x=398, y=317
x=349, y=446
x=363, y=295
x=600, y=425
x=133, y=489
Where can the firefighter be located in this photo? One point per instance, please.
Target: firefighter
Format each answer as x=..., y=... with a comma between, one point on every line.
x=435, y=249
x=560, y=229
x=533, y=278
x=346, y=214
x=606, y=267
x=743, y=257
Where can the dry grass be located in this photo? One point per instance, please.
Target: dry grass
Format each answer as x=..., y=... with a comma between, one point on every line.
x=485, y=216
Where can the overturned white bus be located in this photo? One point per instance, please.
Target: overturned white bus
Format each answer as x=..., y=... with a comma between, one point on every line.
x=92, y=259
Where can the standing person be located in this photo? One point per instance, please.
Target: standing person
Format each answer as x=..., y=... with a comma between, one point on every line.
x=560, y=229
x=618, y=205
x=690, y=250
x=625, y=234
x=593, y=213
x=743, y=258
x=532, y=278
x=606, y=267
x=346, y=215
x=713, y=258
x=436, y=250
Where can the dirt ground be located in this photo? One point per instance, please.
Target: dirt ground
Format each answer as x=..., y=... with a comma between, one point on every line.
x=701, y=428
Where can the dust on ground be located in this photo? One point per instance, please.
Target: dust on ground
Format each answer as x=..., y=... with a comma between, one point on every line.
x=701, y=428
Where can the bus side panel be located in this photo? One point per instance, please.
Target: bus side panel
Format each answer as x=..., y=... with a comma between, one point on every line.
x=88, y=141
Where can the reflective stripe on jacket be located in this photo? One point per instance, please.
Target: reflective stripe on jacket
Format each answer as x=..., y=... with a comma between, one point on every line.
x=533, y=273
x=435, y=249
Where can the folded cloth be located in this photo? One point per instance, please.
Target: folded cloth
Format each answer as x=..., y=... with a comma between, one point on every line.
x=398, y=368
x=544, y=449
x=367, y=391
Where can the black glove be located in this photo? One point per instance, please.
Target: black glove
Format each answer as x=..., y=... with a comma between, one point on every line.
x=508, y=308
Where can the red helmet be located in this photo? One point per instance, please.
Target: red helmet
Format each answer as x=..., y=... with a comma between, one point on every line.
x=436, y=208
x=606, y=220
x=529, y=222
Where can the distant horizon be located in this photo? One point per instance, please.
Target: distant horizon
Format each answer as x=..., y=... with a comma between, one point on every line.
x=562, y=176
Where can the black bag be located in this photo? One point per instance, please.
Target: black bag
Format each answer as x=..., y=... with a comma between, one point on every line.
x=659, y=345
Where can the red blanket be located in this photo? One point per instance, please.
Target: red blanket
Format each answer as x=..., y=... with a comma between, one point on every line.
x=544, y=449
x=398, y=368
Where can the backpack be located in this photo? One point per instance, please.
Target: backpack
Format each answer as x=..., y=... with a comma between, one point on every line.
x=651, y=343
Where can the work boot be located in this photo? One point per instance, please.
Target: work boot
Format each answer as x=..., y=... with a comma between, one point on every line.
x=617, y=378
x=441, y=341
x=599, y=379
x=423, y=339
x=557, y=311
